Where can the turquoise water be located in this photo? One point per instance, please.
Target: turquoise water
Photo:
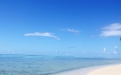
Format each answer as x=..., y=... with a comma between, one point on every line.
x=46, y=65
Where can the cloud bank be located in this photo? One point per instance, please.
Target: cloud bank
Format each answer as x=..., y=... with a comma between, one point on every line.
x=46, y=34
x=111, y=30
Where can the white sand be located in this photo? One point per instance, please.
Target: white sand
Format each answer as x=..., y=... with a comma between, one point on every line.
x=97, y=70
x=110, y=70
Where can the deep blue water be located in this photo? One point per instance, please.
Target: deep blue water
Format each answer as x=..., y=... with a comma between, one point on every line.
x=46, y=65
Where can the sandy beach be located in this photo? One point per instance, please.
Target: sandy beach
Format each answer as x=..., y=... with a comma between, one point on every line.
x=110, y=70
x=97, y=70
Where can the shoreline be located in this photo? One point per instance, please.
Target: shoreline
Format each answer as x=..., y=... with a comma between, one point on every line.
x=87, y=70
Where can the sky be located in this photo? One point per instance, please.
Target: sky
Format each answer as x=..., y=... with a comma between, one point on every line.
x=60, y=27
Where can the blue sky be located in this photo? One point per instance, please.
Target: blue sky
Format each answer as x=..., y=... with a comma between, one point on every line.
x=59, y=26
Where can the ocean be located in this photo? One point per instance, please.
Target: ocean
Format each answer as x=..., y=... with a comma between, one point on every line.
x=47, y=65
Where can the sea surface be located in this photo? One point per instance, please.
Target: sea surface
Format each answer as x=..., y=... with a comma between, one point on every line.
x=47, y=65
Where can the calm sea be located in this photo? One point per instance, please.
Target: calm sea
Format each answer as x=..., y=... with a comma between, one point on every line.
x=46, y=65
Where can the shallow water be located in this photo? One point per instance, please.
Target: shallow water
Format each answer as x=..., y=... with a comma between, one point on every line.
x=46, y=65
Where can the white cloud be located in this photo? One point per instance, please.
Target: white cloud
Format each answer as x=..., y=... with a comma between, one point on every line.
x=72, y=47
x=62, y=29
x=111, y=30
x=93, y=36
x=115, y=46
x=46, y=34
x=8, y=51
x=104, y=51
x=73, y=30
x=116, y=51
